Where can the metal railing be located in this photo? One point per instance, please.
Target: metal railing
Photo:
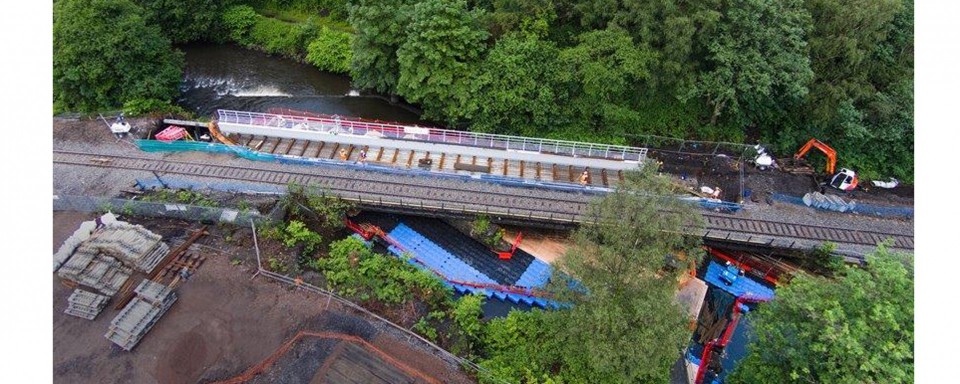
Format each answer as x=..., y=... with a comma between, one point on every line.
x=337, y=125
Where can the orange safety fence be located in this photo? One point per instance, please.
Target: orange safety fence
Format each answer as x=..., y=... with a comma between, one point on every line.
x=255, y=370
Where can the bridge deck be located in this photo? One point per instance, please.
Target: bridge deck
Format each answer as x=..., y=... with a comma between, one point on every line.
x=431, y=149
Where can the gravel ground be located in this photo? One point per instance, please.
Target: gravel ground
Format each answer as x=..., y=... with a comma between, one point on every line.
x=223, y=322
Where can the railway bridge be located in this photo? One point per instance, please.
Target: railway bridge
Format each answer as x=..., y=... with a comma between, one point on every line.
x=381, y=190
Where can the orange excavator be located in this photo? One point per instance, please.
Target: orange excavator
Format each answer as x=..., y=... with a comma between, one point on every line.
x=845, y=179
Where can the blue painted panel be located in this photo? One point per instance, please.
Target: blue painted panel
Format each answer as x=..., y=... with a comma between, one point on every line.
x=743, y=285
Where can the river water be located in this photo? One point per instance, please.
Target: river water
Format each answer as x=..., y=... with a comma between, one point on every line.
x=230, y=77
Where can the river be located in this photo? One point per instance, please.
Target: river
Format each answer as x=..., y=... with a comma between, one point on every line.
x=231, y=77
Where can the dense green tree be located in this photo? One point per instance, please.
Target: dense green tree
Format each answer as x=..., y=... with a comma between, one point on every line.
x=381, y=27
x=626, y=315
x=518, y=87
x=856, y=328
x=238, y=20
x=439, y=56
x=528, y=17
x=861, y=99
x=522, y=348
x=185, y=21
x=331, y=51
x=758, y=59
x=605, y=71
x=105, y=54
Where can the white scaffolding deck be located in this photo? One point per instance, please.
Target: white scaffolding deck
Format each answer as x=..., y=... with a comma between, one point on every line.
x=431, y=140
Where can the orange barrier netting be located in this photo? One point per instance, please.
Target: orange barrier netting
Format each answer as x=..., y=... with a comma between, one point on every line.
x=255, y=370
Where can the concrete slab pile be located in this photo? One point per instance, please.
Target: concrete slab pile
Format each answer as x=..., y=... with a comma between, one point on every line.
x=95, y=270
x=85, y=304
x=138, y=317
x=134, y=245
x=79, y=236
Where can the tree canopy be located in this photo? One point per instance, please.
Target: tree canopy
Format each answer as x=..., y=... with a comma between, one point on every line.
x=777, y=71
x=856, y=328
x=105, y=54
x=444, y=45
x=623, y=324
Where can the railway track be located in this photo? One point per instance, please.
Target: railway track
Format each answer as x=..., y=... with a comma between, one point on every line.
x=373, y=188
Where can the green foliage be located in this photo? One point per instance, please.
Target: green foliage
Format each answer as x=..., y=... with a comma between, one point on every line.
x=825, y=261
x=298, y=10
x=277, y=265
x=758, y=58
x=105, y=53
x=490, y=235
x=423, y=327
x=356, y=271
x=280, y=38
x=629, y=320
x=185, y=21
x=604, y=71
x=596, y=70
x=381, y=27
x=182, y=196
x=467, y=314
x=628, y=328
x=331, y=51
x=139, y=107
x=857, y=328
x=297, y=233
x=439, y=56
x=238, y=20
x=522, y=347
x=310, y=204
x=527, y=17
x=518, y=86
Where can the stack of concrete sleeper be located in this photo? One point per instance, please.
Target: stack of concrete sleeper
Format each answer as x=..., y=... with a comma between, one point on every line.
x=85, y=304
x=89, y=267
x=134, y=245
x=135, y=320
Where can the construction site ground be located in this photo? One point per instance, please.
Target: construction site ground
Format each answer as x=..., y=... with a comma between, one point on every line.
x=723, y=171
x=225, y=322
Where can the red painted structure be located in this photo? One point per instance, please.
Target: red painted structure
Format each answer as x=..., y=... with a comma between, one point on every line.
x=768, y=273
x=722, y=341
x=516, y=243
x=171, y=133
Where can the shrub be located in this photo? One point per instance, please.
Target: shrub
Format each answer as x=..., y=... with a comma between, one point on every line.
x=331, y=51
x=276, y=37
x=297, y=232
x=238, y=20
x=467, y=314
x=140, y=106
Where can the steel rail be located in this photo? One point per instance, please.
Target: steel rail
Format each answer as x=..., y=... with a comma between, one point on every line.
x=465, y=200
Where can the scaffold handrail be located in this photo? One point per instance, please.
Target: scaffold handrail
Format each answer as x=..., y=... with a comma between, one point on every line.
x=337, y=125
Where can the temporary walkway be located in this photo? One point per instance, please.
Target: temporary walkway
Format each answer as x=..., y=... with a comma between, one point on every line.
x=432, y=149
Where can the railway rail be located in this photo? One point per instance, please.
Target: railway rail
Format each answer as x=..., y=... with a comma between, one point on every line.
x=520, y=204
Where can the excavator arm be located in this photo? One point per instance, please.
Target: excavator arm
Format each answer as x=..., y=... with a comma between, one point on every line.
x=823, y=147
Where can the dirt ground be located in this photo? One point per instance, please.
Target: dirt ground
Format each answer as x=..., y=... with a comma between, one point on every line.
x=223, y=322
x=547, y=246
x=723, y=171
